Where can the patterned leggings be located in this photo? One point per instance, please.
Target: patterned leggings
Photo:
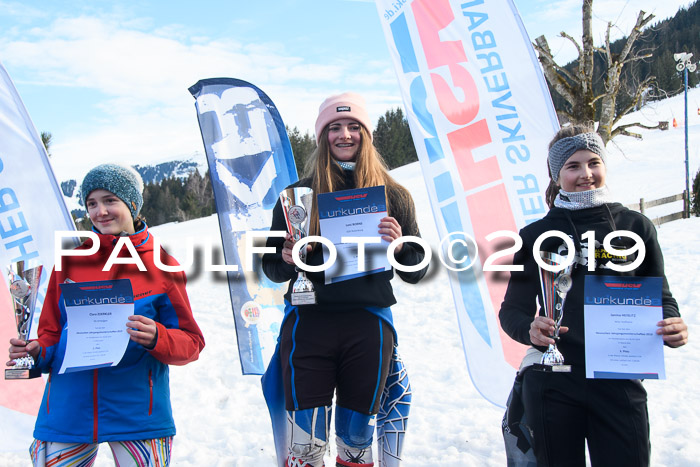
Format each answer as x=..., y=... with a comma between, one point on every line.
x=144, y=453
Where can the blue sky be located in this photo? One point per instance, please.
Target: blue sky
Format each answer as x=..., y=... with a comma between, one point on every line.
x=109, y=79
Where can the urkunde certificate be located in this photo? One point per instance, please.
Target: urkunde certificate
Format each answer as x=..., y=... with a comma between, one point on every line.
x=97, y=313
x=620, y=316
x=353, y=213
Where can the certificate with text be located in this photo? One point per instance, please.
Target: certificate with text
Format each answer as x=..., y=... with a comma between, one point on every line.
x=620, y=316
x=97, y=313
x=354, y=213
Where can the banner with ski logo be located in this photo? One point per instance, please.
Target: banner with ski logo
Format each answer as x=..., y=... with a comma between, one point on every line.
x=250, y=163
x=31, y=210
x=481, y=116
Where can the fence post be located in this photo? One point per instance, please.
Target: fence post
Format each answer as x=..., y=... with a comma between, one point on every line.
x=641, y=205
x=686, y=205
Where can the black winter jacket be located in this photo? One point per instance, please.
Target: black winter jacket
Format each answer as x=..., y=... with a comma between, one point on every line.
x=373, y=290
x=520, y=303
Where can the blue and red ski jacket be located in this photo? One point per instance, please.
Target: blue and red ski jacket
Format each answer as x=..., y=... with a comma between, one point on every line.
x=130, y=401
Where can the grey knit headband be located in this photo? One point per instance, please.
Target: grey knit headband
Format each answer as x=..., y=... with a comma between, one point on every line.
x=566, y=147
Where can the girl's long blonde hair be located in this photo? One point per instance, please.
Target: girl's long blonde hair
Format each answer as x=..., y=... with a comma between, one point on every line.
x=370, y=170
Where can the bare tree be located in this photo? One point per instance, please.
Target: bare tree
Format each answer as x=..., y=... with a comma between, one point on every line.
x=576, y=86
x=47, y=139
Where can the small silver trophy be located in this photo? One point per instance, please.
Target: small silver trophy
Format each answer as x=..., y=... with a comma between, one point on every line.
x=555, y=286
x=24, y=285
x=297, y=204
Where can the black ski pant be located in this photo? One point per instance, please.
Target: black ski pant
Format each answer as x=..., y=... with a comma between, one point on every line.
x=346, y=352
x=565, y=409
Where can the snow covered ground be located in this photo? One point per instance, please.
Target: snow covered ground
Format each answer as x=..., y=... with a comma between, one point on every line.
x=221, y=416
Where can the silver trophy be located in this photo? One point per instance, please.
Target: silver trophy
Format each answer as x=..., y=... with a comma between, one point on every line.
x=24, y=284
x=297, y=204
x=555, y=286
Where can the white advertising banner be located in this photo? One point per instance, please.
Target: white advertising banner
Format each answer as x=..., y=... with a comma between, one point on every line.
x=481, y=117
x=31, y=210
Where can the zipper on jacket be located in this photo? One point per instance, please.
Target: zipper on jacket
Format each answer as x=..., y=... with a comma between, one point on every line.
x=48, y=391
x=94, y=406
x=150, y=388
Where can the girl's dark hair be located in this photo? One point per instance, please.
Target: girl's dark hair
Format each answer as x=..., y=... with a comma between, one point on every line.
x=139, y=222
x=565, y=132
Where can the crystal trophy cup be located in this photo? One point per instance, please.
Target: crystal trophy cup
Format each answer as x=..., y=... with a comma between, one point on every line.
x=296, y=204
x=24, y=285
x=555, y=286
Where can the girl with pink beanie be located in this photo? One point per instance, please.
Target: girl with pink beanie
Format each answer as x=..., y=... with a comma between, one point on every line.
x=343, y=343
